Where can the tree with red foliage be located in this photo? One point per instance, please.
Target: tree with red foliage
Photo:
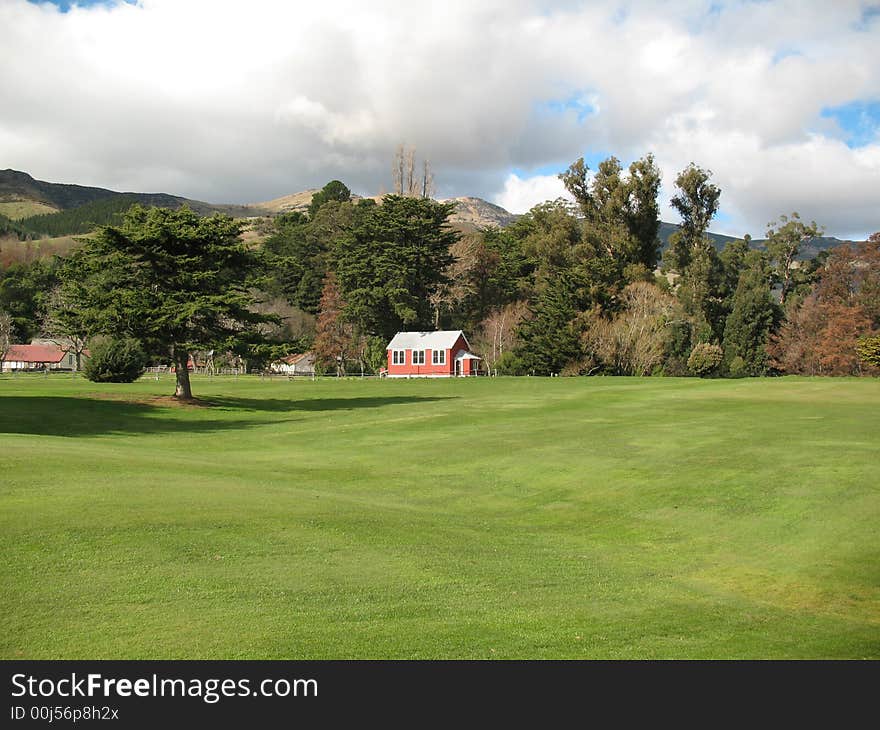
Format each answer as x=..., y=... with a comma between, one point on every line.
x=821, y=334
x=335, y=338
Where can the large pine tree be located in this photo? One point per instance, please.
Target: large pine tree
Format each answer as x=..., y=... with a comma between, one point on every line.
x=392, y=263
x=173, y=280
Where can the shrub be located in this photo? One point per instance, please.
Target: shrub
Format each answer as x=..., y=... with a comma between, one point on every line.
x=738, y=368
x=510, y=364
x=115, y=361
x=869, y=350
x=705, y=359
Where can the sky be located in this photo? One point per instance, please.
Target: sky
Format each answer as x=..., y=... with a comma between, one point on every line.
x=248, y=100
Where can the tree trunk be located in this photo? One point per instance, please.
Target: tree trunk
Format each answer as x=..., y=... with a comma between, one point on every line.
x=182, y=389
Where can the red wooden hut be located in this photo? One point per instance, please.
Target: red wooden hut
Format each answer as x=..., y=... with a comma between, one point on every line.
x=441, y=354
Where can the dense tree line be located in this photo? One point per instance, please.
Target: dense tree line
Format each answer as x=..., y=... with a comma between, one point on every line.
x=9, y=227
x=82, y=219
x=25, y=289
x=581, y=288
x=569, y=288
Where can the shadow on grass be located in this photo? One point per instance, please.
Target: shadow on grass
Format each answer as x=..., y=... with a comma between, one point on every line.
x=282, y=405
x=78, y=417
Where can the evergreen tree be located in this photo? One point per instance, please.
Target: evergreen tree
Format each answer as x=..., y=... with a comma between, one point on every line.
x=172, y=280
x=699, y=293
x=333, y=190
x=550, y=338
x=753, y=318
x=301, y=249
x=392, y=262
x=696, y=203
x=24, y=291
x=784, y=240
x=621, y=214
x=298, y=261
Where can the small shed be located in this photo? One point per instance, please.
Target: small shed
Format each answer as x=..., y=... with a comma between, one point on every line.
x=438, y=354
x=302, y=363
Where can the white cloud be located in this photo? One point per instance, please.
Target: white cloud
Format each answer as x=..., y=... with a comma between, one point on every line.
x=521, y=194
x=230, y=101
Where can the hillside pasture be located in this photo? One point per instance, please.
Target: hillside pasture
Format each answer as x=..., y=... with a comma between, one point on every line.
x=488, y=518
x=18, y=209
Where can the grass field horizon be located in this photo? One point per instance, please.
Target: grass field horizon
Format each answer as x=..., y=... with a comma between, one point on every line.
x=582, y=518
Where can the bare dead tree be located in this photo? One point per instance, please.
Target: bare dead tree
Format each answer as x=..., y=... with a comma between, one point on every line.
x=497, y=332
x=5, y=334
x=404, y=179
x=427, y=180
x=398, y=169
x=411, y=184
x=65, y=324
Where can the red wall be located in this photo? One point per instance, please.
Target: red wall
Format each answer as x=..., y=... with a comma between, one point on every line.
x=428, y=369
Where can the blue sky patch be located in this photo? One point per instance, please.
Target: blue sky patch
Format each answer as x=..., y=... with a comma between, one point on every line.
x=868, y=14
x=555, y=168
x=65, y=5
x=783, y=53
x=859, y=121
x=580, y=102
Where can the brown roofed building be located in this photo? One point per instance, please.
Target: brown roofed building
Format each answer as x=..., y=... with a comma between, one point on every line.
x=37, y=357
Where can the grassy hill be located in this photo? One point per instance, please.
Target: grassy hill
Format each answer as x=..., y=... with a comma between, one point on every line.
x=483, y=518
x=20, y=192
x=17, y=209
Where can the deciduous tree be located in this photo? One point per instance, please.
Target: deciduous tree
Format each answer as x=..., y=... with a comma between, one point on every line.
x=5, y=333
x=67, y=321
x=335, y=338
x=869, y=350
x=635, y=340
x=497, y=333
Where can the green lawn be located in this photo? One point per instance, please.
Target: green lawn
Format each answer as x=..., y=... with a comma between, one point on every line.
x=502, y=518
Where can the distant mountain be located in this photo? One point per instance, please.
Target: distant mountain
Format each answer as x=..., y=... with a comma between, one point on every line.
x=18, y=186
x=470, y=213
x=667, y=229
x=807, y=251
x=80, y=208
x=285, y=204
x=479, y=213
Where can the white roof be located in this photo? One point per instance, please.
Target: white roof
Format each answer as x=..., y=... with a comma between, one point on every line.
x=439, y=340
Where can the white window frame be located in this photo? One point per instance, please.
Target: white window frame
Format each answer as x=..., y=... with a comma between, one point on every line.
x=438, y=357
x=398, y=357
x=418, y=357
